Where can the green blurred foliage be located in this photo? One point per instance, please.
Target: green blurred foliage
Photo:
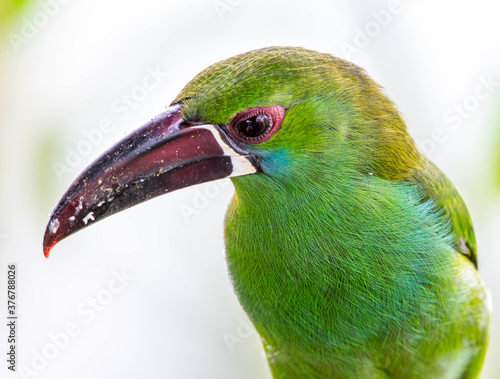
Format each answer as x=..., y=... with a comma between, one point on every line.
x=496, y=152
x=47, y=150
x=9, y=9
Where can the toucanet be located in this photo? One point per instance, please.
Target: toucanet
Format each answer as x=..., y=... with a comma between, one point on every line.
x=353, y=255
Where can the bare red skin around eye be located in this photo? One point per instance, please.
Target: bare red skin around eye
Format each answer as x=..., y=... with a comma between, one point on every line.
x=275, y=114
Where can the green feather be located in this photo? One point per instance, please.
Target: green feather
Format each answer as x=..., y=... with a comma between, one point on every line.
x=352, y=254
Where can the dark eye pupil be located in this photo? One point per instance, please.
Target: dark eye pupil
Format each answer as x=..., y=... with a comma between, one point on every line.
x=254, y=126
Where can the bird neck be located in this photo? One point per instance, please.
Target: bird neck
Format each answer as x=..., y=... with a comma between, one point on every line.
x=322, y=242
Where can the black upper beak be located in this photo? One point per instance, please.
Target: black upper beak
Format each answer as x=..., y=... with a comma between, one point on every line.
x=164, y=155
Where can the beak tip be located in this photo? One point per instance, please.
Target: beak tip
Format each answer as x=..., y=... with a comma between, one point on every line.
x=48, y=244
x=50, y=238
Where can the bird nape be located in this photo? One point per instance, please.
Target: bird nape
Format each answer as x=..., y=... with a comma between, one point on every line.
x=352, y=254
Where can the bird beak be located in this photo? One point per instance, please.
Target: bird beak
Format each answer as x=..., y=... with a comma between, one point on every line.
x=162, y=156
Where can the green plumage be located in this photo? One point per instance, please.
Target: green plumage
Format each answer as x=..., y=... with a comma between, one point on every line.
x=352, y=254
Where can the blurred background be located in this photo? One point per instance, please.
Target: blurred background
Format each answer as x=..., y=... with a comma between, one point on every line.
x=146, y=292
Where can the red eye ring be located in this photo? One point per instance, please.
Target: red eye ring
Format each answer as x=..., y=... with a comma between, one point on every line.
x=256, y=125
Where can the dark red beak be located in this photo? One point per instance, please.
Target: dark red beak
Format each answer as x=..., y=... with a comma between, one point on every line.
x=162, y=156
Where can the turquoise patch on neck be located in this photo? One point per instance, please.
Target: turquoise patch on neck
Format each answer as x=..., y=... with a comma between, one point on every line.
x=276, y=162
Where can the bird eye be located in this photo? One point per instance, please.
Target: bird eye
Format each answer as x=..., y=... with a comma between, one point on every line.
x=254, y=127
x=256, y=124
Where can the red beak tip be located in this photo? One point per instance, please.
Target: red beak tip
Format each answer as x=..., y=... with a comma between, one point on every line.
x=47, y=248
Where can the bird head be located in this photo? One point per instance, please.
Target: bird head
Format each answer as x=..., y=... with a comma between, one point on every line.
x=273, y=115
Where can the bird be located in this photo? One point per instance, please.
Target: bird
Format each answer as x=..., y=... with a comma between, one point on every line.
x=352, y=254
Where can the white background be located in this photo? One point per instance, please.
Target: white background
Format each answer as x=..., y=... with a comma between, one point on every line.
x=178, y=317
